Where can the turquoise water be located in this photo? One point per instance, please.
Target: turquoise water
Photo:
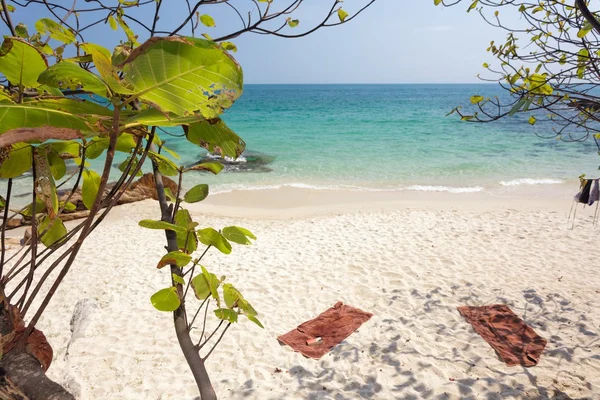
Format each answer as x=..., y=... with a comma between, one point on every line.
x=374, y=137
x=385, y=137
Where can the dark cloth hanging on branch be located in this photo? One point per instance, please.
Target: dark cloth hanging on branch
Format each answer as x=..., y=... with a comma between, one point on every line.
x=584, y=194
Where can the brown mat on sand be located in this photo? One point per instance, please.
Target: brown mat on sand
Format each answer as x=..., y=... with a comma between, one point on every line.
x=515, y=342
x=332, y=326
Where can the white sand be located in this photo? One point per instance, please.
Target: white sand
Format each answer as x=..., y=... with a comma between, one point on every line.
x=409, y=262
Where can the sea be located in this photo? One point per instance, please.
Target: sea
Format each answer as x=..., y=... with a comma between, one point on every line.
x=388, y=137
x=384, y=138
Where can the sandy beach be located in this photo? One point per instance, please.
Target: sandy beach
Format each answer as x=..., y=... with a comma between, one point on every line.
x=410, y=259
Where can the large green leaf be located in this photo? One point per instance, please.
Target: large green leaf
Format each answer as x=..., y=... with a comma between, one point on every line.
x=154, y=117
x=14, y=116
x=166, y=299
x=58, y=167
x=72, y=106
x=21, y=63
x=184, y=75
x=15, y=160
x=54, y=230
x=215, y=136
x=67, y=75
x=89, y=190
x=55, y=30
x=196, y=194
x=211, y=237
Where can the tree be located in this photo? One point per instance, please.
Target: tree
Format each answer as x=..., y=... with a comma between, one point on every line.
x=140, y=87
x=548, y=64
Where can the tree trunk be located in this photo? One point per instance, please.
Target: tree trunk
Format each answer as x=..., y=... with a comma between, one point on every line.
x=26, y=373
x=190, y=351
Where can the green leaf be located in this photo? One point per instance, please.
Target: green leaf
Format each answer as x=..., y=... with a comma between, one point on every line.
x=213, y=284
x=155, y=117
x=166, y=299
x=532, y=120
x=229, y=46
x=293, y=23
x=226, y=315
x=66, y=75
x=170, y=196
x=54, y=229
x=66, y=149
x=45, y=188
x=254, y=319
x=174, y=258
x=165, y=166
x=476, y=99
x=342, y=15
x=233, y=298
x=131, y=36
x=238, y=235
x=15, y=160
x=89, y=190
x=21, y=63
x=57, y=164
x=183, y=75
x=186, y=238
x=113, y=23
x=215, y=136
x=196, y=194
x=201, y=287
x=55, y=30
x=15, y=116
x=21, y=31
x=96, y=146
x=211, y=237
x=162, y=225
x=78, y=107
x=103, y=61
x=207, y=20
x=206, y=284
x=437, y=2
x=40, y=207
x=213, y=167
x=134, y=164
x=473, y=5
x=178, y=279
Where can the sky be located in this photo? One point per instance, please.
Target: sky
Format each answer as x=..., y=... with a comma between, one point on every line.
x=393, y=41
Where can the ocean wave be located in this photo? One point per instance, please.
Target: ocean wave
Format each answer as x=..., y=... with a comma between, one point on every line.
x=449, y=189
x=529, y=181
x=352, y=188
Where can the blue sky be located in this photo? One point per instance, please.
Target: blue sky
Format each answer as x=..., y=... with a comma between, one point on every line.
x=394, y=41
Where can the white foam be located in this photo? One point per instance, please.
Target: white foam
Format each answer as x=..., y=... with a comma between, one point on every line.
x=449, y=189
x=425, y=188
x=529, y=181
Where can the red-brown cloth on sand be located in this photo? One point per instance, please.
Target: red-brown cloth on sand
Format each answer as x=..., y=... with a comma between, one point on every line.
x=332, y=326
x=515, y=342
